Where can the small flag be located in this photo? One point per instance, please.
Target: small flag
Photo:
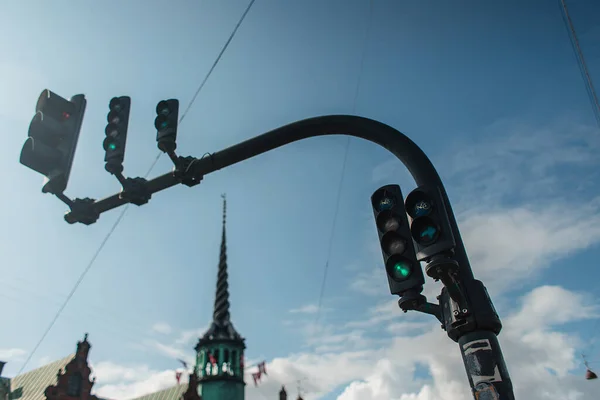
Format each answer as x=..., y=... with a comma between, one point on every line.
x=212, y=359
x=256, y=377
x=178, y=376
x=262, y=368
x=183, y=363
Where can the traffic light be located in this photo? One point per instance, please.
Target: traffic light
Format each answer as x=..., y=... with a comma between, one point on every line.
x=403, y=270
x=116, y=133
x=430, y=227
x=166, y=124
x=53, y=135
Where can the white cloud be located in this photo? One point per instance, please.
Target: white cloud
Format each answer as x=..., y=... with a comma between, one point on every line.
x=531, y=348
x=108, y=372
x=307, y=309
x=162, y=327
x=147, y=381
x=508, y=245
x=13, y=354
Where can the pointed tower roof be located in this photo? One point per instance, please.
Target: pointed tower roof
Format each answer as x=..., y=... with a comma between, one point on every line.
x=221, y=328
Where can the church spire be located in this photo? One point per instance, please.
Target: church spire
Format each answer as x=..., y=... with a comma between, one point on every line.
x=220, y=350
x=221, y=311
x=221, y=327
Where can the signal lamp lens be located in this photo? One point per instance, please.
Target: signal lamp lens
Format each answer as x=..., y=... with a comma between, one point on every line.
x=162, y=108
x=110, y=144
x=400, y=269
x=111, y=130
x=393, y=244
x=422, y=208
x=418, y=204
x=161, y=122
x=115, y=104
x=388, y=221
x=425, y=231
x=386, y=203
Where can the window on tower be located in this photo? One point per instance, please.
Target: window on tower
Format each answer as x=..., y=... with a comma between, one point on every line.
x=234, y=362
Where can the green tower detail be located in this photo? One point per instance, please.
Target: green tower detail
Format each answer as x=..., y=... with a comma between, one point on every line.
x=220, y=351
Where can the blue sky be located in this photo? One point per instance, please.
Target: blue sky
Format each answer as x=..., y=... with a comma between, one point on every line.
x=489, y=90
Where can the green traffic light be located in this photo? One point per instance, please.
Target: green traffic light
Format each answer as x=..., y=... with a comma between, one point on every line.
x=112, y=146
x=399, y=269
x=402, y=269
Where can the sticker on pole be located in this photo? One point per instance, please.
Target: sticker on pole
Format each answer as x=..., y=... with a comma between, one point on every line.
x=480, y=362
x=486, y=391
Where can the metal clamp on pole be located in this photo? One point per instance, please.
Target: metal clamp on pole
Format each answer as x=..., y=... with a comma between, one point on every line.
x=184, y=171
x=83, y=211
x=412, y=300
x=444, y=268
x=135, y=190
x=482, y=315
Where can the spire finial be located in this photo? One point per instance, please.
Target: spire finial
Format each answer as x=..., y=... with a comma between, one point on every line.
x=224, y=197
x=221, y=312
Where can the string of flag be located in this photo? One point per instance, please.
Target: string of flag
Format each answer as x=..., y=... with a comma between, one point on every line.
x=262, y=370
x=256, y=376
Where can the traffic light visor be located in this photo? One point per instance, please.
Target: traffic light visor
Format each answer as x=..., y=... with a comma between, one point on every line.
x=113, y=117
x=383, y=200
x=115, y=104
x=425, y=231
x=388, y=221
x=392, y=243
x=399, y=268
x=46, y=129
x=162, y=108
x=418, y=204
x=111, y=130
x=161, y=122
x=110, y=144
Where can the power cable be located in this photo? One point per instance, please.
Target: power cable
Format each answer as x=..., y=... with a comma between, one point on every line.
x=344, y=162
x=591, y=92
x=122, y=214
x=587, y=79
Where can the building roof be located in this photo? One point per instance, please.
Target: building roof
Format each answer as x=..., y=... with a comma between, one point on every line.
x=172, y=393
x=34, y=383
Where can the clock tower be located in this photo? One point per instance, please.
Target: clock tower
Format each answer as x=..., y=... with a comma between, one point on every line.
x=220, y=351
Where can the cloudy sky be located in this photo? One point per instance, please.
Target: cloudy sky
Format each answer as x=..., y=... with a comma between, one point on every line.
x=491, y=92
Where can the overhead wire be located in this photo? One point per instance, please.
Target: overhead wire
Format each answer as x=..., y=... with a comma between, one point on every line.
x=585, y=74
x=344, y=163
x=592, y=96
x=126, y=207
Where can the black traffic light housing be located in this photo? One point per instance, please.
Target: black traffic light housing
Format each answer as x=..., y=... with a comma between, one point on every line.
x=116, y=133
x=402, y=267
x=53, y=135
x=166, y=125
x=430, y=227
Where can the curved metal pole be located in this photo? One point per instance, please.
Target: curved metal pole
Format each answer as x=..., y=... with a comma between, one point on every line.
x=479, y=345
x=411, y=155
x=419, y=165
